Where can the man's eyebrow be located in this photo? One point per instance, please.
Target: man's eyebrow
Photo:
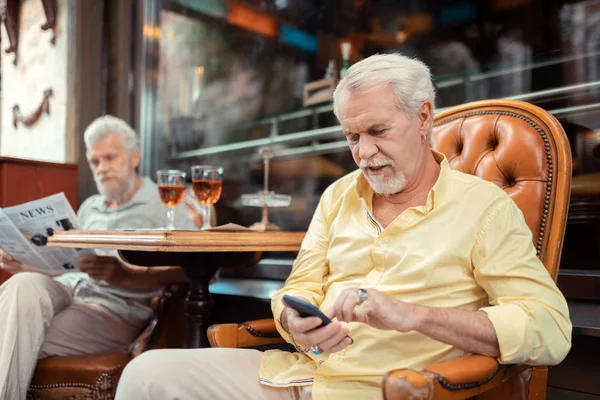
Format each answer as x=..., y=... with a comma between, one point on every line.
x=377, y=126
x=372, y=127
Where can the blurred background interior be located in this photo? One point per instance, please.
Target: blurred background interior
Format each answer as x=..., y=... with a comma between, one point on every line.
x=213, y=81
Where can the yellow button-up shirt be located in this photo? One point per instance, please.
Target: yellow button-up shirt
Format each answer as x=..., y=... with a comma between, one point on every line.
x=468, y=247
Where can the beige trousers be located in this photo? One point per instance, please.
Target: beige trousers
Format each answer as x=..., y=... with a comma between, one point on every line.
x=39, y=319
x=204, y=374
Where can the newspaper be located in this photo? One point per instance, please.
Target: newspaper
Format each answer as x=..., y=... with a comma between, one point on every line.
x=25, y=228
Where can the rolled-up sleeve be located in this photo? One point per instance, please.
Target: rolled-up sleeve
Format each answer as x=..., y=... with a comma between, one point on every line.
x=529, y=314
x=310, y=267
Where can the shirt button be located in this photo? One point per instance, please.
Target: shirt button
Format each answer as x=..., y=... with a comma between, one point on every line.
x=320, y=377
x=335, y=357
x=380, y=243
x=371, y=281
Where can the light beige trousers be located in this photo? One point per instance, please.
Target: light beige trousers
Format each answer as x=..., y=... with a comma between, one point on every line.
x=203, y=374
x=39, y=319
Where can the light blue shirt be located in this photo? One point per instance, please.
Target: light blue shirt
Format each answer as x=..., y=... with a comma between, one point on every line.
x=144, y=211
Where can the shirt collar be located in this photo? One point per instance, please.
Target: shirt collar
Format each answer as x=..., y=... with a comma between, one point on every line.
x=439, y=190
x=435, y=196
x=145, y=193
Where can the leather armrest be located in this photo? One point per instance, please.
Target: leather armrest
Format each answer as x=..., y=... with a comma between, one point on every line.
x=153, y=336
x=145, y=340
x=457, y=379
x=84, y=369
x=252, y=333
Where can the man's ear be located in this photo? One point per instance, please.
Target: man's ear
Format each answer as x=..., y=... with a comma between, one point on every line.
x=135, y=159
x=426, y=118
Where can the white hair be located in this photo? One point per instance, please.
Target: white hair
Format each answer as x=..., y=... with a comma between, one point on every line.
x=409, y=78
x=106, y=125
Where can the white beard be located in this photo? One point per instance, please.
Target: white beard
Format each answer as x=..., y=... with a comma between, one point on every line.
x=119, y=192
x=387, y=186
x=380, y=184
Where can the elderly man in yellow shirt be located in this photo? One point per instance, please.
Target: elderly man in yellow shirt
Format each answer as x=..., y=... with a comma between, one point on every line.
x=415, y=262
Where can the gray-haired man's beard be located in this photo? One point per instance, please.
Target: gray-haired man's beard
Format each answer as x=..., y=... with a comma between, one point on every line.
x=387, y=186
x=117, y=192
x=380, y=184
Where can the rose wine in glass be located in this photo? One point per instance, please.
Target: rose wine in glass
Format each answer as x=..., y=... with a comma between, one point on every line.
x=171, y=195
x=207, y=183
x=171, y=188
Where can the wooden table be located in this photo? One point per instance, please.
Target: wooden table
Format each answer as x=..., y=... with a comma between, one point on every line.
x=199, y=253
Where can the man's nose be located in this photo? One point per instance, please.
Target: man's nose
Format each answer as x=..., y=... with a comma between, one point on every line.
x=103, y=167
x=367, y=147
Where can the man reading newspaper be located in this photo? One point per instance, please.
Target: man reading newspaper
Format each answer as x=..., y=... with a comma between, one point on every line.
x=100, y=302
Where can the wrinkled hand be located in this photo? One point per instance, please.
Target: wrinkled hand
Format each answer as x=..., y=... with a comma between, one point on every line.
x=10, y=265
x=105, y=268
x=379, y=310
x=330, y=338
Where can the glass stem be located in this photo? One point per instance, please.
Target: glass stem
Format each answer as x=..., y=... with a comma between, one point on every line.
x=206, y=224
x=171, y=218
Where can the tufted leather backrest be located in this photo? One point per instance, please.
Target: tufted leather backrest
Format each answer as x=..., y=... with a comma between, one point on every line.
x=524, y=150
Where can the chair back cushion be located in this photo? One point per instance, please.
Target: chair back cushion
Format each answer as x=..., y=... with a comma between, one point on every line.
x=524, y=150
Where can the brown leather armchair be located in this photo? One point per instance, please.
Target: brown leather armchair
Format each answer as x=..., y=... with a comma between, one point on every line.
x=95, y=376
x=524, y=150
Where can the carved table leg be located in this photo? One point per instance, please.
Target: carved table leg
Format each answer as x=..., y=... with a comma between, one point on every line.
x=200, y=269
x=198, y=305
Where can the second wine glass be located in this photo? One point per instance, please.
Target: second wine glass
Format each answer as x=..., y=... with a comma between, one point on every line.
x=207, y=182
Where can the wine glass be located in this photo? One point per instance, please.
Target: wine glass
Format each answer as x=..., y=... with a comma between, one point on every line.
x=171, y=188
x=207, y=182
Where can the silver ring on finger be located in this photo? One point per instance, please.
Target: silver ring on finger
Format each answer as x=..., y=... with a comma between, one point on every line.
x=316, y=350
x=362, y=295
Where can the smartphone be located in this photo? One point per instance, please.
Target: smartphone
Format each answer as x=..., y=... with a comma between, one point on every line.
x=305, y=309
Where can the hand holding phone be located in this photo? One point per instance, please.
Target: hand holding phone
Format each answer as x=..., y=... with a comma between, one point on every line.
x=305, y=309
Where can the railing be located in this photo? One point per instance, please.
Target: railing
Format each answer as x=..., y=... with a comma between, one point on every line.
x=507, y=71
x=328, y=132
